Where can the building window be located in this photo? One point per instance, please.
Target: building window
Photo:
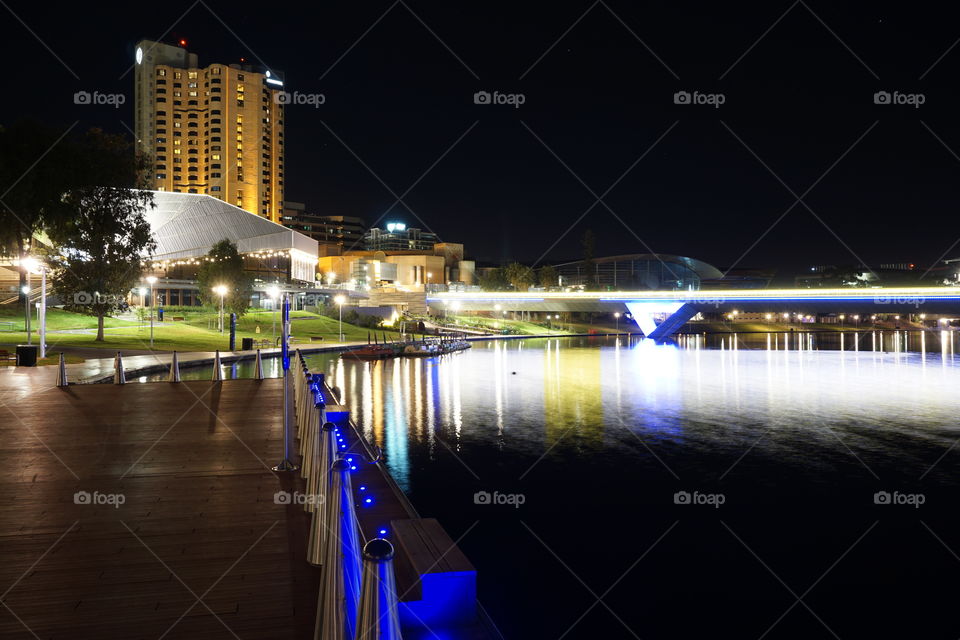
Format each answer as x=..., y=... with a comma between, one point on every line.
x=161, y=72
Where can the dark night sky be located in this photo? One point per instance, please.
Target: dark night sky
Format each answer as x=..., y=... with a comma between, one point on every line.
x=599, y=99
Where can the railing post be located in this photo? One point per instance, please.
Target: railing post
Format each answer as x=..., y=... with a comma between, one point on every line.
x=340, y=583
x=377, y=617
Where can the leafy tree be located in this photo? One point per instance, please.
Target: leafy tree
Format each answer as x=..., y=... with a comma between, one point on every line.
x=493, y=280
x=39, y=164
x=97, y=259
x=548, y=276
x=519, y=276
x=224, y=267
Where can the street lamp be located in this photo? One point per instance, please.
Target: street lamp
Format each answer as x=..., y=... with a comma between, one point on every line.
x=152, y=280
x=617, y=316
x=32, y=265
x=221, y=291
x=340, y=300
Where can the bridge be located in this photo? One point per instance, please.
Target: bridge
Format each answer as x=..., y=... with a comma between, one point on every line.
x=659, y=314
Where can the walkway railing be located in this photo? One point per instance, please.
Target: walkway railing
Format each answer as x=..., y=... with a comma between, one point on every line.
x=348, y=607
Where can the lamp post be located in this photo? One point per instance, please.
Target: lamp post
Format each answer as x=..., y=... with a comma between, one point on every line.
x=617, y=316
x=340, y=300
x=221, y=291
x=34, y=265
x=152, y=280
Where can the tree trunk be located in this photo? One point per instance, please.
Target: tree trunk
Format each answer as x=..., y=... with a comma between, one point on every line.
x=100, y=328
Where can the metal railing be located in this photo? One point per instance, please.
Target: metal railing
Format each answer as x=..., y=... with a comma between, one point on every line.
x=358, y=597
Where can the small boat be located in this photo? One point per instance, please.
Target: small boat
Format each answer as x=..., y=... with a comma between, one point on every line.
x=372, y=352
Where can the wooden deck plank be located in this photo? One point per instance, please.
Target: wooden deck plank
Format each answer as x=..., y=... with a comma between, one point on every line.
x=192, y=463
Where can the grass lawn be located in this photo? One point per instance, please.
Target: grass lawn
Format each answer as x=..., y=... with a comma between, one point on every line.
x=190, y=334
x=57, y=320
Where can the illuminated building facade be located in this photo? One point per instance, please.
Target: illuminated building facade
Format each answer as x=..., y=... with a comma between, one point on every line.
x=397, y=236
x=214, y=130
x=345, y=232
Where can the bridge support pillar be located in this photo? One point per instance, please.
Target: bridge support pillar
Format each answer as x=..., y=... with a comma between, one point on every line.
x=677, y=314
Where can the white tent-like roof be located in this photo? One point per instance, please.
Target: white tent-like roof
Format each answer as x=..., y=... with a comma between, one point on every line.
x=187, y=225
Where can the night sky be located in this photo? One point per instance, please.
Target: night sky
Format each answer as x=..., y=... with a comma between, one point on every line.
x=599, y=83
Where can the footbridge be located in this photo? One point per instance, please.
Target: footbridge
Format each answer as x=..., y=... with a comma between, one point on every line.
x=661, y=313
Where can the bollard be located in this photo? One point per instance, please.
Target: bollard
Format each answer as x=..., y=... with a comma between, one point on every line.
x=174, y=369
x=62, y=373
x=377, y=618
x=217, y=371
x=258, y=368
x=340, y=583
x=118, y=375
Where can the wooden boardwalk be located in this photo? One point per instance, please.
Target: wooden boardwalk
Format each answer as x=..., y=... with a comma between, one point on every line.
x=198, y=549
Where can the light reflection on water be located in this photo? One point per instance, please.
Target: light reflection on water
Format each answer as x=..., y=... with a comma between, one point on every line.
x=703, y=399
x=579, y=396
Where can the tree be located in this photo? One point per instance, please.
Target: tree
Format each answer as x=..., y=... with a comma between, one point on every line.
x=97, y=259
x=519, y=276
x=548, y=276
x=39, y=164
x=492, y=280
x=589, y=266
x=224, y=267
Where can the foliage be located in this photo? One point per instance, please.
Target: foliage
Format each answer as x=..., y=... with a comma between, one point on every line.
x=548, y=276
x=224, y=267
x=39, y=164
x=99, y=248
x=519, y=276
x=493, y=280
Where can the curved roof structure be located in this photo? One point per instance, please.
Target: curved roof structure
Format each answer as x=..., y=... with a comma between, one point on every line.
x=704, y=270
x=187, y=225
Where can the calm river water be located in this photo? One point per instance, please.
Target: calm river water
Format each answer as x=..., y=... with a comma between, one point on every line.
x=752, y=485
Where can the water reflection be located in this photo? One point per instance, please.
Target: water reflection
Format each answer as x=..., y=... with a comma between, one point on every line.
x=708, y=394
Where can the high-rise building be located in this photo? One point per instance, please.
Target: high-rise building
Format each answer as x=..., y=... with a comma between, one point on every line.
x=215, y=130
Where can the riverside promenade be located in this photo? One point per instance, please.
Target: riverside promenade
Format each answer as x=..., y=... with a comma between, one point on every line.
x=147, y=511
